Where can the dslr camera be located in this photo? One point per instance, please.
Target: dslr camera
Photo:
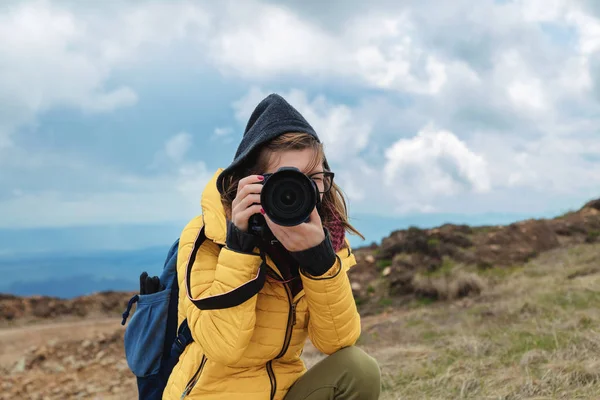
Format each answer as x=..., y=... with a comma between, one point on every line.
x=288, y=198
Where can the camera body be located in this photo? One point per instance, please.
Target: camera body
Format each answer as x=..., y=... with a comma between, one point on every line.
x=288, y=197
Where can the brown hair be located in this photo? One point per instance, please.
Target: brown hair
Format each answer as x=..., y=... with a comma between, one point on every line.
x=258, y=162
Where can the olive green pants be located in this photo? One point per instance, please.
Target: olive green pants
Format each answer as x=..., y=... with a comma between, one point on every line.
x=348, y=374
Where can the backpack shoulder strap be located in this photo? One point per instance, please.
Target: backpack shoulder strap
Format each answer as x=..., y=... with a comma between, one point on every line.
x=228, y=299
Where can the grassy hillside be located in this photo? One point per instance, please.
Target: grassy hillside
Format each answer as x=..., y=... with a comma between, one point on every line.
x=455, y=312
x=533, y=333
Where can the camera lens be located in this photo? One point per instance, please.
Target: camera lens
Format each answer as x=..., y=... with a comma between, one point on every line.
x=288, y=197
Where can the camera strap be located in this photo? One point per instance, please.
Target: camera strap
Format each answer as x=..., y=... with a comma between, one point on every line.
x=228, y=299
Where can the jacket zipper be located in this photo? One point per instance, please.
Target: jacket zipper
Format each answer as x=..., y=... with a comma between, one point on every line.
x=192, y=382
x=288, y=337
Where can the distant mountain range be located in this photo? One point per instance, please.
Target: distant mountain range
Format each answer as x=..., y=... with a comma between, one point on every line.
x=69, y=275
x=74, y=261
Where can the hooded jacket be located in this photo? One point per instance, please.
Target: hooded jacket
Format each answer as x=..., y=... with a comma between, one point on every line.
x=252, y=351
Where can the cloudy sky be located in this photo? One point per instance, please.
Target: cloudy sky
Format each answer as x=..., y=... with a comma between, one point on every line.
x=118, y=113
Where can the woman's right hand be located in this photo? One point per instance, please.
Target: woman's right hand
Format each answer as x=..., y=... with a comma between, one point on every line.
x=247, y=201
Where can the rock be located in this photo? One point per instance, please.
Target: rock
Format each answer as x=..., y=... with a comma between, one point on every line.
x=107, y=362
x=54, y=367
x=401, y=281
x=516, y=243
x=122, y=366
x=93, y=389
x=592, y=205
x=370, y=259
x=386, y=271
x=69, y=360
x=78, y=366
x=19, y=366
x=356, y=286
x=100, y=354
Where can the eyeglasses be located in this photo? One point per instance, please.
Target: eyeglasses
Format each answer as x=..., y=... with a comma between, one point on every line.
x=324, y=180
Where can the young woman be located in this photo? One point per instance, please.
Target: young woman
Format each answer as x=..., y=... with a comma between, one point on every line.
x=252, y=351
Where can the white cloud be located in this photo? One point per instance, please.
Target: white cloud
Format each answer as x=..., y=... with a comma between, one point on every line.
x=515, y=93
x=177, y=146
x=588, y=28
x=431, y=164
x=354, y=189
x=373, y=49
x=528, y=94
x=191, y=179
x=523, y=84
x=188, y=177
x=273, y=41
x=56, y=56
x=542, y=10
x=554, y=165
x=223, y=131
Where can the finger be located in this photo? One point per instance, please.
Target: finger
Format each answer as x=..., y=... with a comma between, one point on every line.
x=249, y=189
x=245, y=203
x=315, y=217
x=250, y=200
x=298, y=233
x=253, y=181
x=249, y=180
x=248, y=212
x=245, y=192
x=280, y=233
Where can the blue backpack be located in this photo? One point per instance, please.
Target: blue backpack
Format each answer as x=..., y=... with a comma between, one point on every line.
x=153, y=341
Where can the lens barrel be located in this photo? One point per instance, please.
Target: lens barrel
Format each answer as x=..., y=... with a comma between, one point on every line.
x=289, y=196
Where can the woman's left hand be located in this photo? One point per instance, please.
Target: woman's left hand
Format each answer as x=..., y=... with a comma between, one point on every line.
x=300, y=237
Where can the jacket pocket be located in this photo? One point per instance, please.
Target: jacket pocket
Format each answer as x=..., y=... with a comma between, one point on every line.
x=194, y=379
x=145, y=334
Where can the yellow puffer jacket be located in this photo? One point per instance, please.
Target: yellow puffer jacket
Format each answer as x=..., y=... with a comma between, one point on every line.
x=252, y=351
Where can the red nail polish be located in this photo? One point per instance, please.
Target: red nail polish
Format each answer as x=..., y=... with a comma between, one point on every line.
x=261, y=178
x=262, y=211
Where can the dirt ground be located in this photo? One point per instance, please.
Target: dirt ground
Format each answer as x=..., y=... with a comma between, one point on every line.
x=533, y=333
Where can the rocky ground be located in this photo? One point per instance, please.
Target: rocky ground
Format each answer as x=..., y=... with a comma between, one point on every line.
x=23, y=310
x=65, y=360
x=507, y=312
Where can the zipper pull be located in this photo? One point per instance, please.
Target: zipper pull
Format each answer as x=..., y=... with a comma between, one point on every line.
x=184, y=394
x=188, y=388
x=293, y=314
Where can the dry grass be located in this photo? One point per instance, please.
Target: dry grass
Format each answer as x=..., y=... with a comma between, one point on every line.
x=450, y=286
x=533, y=333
